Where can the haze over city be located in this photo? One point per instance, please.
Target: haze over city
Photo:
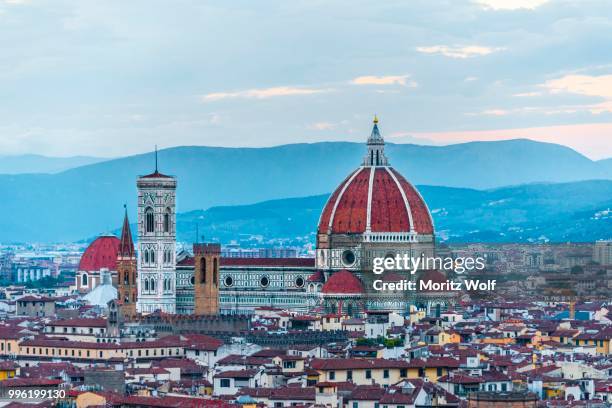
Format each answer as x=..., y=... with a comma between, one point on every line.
x=115, y=78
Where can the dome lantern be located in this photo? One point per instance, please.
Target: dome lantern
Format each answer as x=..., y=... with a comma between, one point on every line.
x=376, y=148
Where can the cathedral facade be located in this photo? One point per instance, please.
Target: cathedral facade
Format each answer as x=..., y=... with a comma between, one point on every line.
x=375, y=212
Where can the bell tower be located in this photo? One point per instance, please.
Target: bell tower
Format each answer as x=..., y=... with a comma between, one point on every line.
x=126, y=271
x=206, y=278
x=156, y=242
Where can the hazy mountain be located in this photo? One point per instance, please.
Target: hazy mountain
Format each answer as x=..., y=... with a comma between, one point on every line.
x=87, y=200
x=33, y=163
x=579, y=211
x=605, y=164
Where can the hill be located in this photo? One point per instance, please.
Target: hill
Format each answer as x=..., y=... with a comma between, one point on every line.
x=578, y=211
x=33, y=163
x=87, y=200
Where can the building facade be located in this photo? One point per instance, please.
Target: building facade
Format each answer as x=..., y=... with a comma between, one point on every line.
x=127, y=288
x=156, y=243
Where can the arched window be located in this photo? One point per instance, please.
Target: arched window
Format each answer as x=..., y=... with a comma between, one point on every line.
x=146, y=284
x=152, y=256
x=84, y=280
x=126, y=278
x=149, y=220
x=146, y=256
x=202, y=270
x=167, y=219
x=153, y=284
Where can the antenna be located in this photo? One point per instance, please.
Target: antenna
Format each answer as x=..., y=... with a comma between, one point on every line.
x=156, y=158
x=197, y=233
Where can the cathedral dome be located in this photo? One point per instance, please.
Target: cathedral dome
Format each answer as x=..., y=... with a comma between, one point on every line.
x=101, y=253
x=375, y=198
x=343, y=283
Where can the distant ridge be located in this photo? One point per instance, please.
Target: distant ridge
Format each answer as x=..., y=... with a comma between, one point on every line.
x=538, y=212
x=82, y=201
x=33, y=163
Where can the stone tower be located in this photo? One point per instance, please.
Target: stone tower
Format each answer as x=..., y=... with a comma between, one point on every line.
x=156, y=243
x=127, y=292
x=206, y=278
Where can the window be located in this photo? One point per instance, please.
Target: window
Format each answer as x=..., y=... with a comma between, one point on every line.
x=149, y=220
x=439, y=371
x=403, y=372
x=84, y=279
x=146, y=256
x=167, y=220
x=504, y=387
x=225, y=383
x=355, y=404
x=368, y=374
x=215, y=270
x=332, y=375
x=349, y=375
x=146, y=285
x=202, y=270
x=386, y=373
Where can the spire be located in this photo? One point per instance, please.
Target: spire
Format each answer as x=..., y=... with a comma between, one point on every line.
x=156, y=159
x=126, y=246
x=376, y=148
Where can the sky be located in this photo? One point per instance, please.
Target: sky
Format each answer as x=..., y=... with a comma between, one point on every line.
x=115, y=78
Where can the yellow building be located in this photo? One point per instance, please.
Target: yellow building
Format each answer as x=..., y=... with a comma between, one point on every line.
x=49, y=348
x=9, y=341
x=382, y=371
x=601, y=340
x=8, y=369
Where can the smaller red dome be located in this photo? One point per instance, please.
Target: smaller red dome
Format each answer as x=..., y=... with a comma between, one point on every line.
x=101, y=253
x=343, y=282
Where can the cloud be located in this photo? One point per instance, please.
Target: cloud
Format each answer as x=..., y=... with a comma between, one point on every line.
x=385, y=80
x=459, y=52
x=510, y=4
x=527, y=94
x=588, y=85
x=496, y=112
x=262, y=93
x=322, y=126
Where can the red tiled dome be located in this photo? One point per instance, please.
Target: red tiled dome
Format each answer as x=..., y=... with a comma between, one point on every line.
x=343, y=282
x=395, y=205
x=102, y=253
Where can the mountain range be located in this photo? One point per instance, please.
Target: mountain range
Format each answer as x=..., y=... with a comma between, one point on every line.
x=86, y=200
x=34, y=163
x=558, y=212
